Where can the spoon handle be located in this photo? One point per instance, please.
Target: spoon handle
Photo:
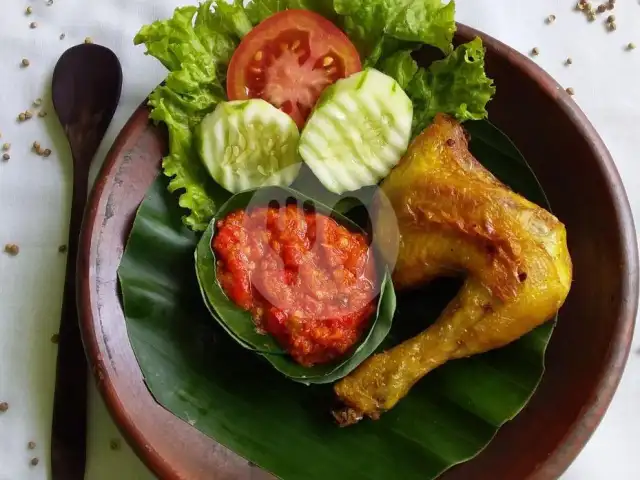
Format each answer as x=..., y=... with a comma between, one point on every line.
x=68, y=442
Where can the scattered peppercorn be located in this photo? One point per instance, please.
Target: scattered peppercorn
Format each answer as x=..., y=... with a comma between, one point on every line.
x=535, y=51
x=612, y=26
x=6, y=157
x=28, y=115
x=611, y=18
x=88, y=40
x=28, y=11
x=631, y=46
x=114, y=444
x=55, y=338
x=22, y=117
x=6, y=146
x=25, y=62
x=591, y=16
x=37, y=102
x=42, y=114
x=62, y=35
x=12, y=249
x=33, y=25
x=49, y=3
x=31, y=445
x=570, y=91
x=34, y=461
x=4, y=406
x=568, y=61
x=551, y=19
x=46, y=152
x=36, y=146
x=62, y=248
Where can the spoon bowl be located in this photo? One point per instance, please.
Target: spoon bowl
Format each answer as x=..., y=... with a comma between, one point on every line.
x=86, y=86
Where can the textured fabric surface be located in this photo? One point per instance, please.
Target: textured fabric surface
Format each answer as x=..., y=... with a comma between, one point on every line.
x=35, y=195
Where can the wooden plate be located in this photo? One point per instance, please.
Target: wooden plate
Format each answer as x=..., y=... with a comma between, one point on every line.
x=587, y=353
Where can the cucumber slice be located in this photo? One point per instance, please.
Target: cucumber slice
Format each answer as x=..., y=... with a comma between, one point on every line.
x=358, y=131
x=249, y=144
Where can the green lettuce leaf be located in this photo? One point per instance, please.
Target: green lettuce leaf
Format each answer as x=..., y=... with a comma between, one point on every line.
x=400, y=66
x=456, y=85
x=220, y=31
x=195, y=45
x=369, y=22
x=258, y=10
x=387, y=47
x=377, y=27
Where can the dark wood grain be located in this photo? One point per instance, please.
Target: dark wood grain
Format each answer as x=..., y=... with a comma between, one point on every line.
x=587, y=353
x=86, y=86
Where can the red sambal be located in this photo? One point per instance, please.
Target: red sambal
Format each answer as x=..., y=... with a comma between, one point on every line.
x=307, y=280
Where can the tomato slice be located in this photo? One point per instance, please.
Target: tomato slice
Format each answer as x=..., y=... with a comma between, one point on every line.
x=289, y=59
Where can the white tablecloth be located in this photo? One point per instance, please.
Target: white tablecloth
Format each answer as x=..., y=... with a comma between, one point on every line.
x=35, y=196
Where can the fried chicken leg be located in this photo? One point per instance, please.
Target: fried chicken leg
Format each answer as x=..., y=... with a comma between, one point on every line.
x=456, y=219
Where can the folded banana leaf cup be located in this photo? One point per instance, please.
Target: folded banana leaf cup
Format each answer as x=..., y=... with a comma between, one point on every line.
x=239, y=323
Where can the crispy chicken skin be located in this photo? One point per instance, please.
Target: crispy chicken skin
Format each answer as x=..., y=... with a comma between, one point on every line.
x=456, y=219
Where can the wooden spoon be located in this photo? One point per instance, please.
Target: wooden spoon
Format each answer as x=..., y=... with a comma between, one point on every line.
x=87, y=82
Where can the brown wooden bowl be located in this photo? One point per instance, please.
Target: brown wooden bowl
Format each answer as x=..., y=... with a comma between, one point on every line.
x=588, y=350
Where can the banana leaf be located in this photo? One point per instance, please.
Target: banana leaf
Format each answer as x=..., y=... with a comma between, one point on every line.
x=239, y=323
x=195, y=370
